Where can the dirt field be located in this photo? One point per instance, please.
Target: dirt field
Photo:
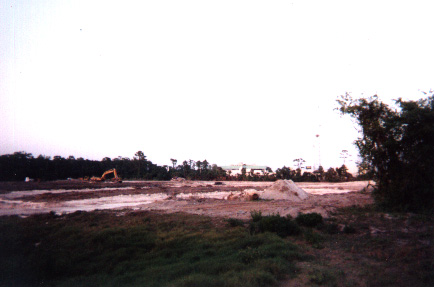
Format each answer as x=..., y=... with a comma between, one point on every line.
x=196, y=197
x=369, y=247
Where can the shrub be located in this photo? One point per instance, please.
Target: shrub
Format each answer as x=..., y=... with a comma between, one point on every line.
x=331, y=228
x=198, y=280
x=322, y=277
x=313, y=238
x=397, y=148
x=309, y=219
x=274, y=223
x=234, y=222
x=348, y=229
x=256, y=215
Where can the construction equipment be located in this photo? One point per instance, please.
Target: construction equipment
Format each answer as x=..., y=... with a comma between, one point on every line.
x=116, y=178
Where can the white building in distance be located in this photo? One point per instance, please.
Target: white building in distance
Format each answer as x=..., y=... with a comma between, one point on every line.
x=237, y=169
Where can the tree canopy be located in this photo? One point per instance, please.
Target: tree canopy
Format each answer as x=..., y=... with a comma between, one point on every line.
x=397, y=148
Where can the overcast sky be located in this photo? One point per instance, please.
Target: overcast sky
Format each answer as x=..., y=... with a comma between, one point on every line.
x=227, y=81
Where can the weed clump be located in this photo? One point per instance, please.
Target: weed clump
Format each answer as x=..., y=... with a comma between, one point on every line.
x=309, y=219
x=256, y=215
x=331, y=228
x=322, y=277
x=348, y=229
x=273, y=223
x=314, y=238
x=234, y=222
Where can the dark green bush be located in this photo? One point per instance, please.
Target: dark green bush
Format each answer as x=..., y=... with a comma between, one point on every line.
x=348, y=229
x=313, y=238
x=397, y=149
x=274, y=223
x=331, y=228
x=309, y=219
x=322, y=277
x=234, y=222
x=256, y=215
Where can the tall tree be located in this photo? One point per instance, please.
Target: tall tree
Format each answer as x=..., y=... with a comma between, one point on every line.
x=331, y=175
x=397, y=146
x=205, y=164
x=320, y=173
x=140, y=160
x=199, y=166
x=284, y=173
x=174, y=161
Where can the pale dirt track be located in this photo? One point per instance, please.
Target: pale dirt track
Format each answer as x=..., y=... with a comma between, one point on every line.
x=198, y=197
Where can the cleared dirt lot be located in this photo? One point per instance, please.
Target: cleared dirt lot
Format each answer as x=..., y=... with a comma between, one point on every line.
x=196, y=197
x=380, y=248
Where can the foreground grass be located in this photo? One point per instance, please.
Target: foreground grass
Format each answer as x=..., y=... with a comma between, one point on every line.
x=139, y=249
x=357, y=246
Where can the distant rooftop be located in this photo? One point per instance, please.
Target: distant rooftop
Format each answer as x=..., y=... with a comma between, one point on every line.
x=238, y=166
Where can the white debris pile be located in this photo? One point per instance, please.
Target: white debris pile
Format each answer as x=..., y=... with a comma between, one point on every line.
x=284, y=189
x=178, y=179
x=248, y=194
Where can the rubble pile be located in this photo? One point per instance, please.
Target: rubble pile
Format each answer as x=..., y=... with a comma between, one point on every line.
x=248, y=194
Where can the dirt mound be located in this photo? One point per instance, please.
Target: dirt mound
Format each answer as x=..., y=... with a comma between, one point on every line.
x=284, y=189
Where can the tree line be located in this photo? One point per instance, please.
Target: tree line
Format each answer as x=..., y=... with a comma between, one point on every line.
x=338, y=174
x=19, y=165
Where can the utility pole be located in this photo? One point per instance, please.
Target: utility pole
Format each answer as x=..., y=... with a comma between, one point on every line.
x=344, y=155
x=319, y=150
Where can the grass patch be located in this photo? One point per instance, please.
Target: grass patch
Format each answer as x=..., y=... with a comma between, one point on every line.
x=314, y=238
x=330, y=228
x=234, y=222
x=282, y=226
x=323, y=276
x=349, y=229
x=139, y=249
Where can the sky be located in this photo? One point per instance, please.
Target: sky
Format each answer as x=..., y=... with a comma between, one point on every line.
x=226, y=81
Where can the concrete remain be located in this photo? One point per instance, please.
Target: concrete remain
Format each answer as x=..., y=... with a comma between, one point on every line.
x=247, y=194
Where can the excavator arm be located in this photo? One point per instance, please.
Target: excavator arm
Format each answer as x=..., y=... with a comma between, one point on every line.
x=102, y=178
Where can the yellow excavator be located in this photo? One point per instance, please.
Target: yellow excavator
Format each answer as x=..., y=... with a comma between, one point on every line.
x=116, y=178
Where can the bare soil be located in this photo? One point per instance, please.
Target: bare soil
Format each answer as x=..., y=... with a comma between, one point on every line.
x=196, y=197
x=370, y=248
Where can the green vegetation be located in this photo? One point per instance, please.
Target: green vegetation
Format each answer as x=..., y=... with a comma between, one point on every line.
x=19, y=165
x=309, y=219
x=233, y=222
x=313, y=238
x=108, y=248
x=138, y=249
x=348, y=229
x=323, y=276
x=282, y=226
x=338, y=174
x=397, y=149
